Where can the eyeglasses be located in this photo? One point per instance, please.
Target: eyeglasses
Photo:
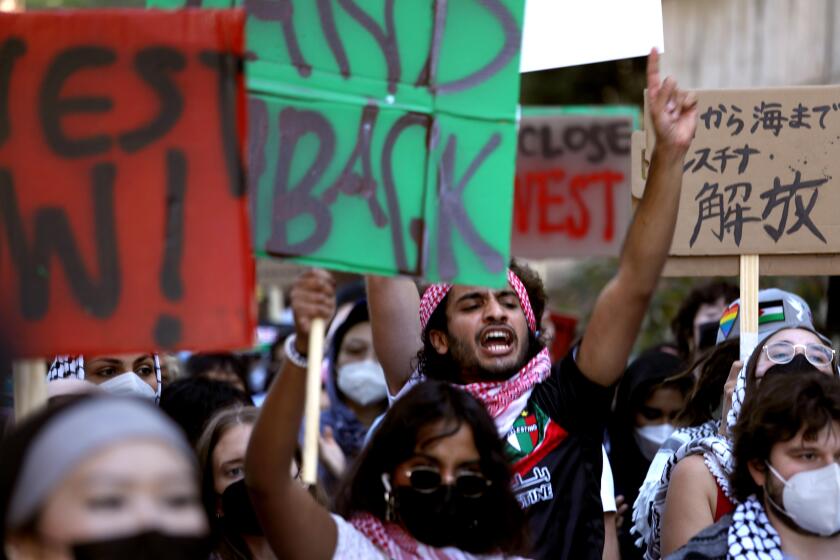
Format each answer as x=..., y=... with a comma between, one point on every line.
x=469, y=484
x=783, y=352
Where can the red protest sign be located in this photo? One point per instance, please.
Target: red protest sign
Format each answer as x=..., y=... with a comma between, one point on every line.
x=572, y=189
x=123, y=223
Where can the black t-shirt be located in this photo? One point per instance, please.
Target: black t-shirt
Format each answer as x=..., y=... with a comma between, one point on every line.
x=555, y=448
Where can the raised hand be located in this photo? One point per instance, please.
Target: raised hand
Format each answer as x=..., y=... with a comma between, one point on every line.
x=313, y=297
x=674, y=111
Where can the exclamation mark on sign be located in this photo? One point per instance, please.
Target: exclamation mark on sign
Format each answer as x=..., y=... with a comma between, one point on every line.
x=168, y=327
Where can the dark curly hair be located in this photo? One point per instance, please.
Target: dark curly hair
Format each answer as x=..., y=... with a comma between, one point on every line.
x=774, y=412
x=395, y=441
x=441, y=366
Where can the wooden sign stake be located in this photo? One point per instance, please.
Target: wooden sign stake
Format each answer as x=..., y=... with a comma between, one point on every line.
x=312, y=407
x=30, y=386
x=749, y=305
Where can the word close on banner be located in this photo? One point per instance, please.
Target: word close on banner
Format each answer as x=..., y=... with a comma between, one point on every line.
x=572, y=190
x=382, y=135
x=123, y=220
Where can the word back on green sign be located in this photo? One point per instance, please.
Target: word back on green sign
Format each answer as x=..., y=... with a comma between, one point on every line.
x=382, y=135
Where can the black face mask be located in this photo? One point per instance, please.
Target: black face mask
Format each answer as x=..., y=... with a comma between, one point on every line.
x=239, y=516
x=799, y=364
x=708, y=334
x=150, y=545
x=444, y=518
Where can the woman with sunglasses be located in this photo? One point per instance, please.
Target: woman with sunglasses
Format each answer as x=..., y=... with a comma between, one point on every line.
x=432, y=482
x=699, y=492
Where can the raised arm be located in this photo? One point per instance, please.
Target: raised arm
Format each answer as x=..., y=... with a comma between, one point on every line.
x=622, y=304
x=394, y=318
x=295, y=525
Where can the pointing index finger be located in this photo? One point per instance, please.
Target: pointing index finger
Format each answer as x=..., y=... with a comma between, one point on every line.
x=653, y=71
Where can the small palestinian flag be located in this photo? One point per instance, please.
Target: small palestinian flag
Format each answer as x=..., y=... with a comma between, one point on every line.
x=728, y=319
x=771, y=312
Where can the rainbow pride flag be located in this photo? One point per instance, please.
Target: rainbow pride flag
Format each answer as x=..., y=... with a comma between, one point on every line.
x=728, y=318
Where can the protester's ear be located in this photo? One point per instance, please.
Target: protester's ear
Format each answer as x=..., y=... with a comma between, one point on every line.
x=758, y=471
x=439, y=341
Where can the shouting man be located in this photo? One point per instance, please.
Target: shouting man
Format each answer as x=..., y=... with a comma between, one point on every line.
x=551, y=417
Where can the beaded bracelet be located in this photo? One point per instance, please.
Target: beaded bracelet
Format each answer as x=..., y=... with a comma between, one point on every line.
x=292, y=354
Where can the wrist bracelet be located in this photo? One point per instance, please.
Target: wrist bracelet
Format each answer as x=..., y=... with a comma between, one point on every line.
x=292, y=354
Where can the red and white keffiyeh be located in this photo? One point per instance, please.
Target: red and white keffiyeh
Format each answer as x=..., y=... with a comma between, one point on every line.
x=497, y=396
x=390, y=537
x=435, y=293
x=398, y=544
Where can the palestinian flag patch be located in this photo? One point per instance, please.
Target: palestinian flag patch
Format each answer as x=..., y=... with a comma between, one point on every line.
x=771, y=312
x=526, y=434
x=728, y=319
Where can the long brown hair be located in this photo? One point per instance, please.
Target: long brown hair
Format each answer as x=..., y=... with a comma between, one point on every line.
x=226, y=545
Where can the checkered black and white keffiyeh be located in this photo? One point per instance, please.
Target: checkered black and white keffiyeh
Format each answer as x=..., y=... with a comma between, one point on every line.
x=751, y=535
x=64, y=367
x=717, y=454
x=643, y=507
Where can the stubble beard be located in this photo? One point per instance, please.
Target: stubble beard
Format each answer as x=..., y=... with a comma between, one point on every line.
x=471, y=370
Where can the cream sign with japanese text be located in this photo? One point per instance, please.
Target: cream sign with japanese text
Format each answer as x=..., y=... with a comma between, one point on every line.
x=761, y=176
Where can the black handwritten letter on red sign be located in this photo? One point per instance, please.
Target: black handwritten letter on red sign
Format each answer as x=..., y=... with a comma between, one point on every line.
x=123, y=223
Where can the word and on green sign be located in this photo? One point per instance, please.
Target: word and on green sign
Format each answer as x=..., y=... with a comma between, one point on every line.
x=382, y=137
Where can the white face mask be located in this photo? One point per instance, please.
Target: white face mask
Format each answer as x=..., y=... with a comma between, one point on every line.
x=812, y=499
x=129, y=385
x=363, y=382
x=650, y=438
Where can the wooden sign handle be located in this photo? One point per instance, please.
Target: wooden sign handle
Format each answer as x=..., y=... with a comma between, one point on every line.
x=312, y=407
x=30, y=386
x=749, y=305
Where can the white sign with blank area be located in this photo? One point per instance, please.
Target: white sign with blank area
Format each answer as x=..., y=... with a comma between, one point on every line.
x=559, y=33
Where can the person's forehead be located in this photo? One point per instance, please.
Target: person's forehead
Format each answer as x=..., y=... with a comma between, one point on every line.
x=135, y=459
x=458, y=292
x=439, y=438
x=233, y=442
x=795, y=336
x=359, y=330
x=710, y=308
x=124, y=358
x=827, y=439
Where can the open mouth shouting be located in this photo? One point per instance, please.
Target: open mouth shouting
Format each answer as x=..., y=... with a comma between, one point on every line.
x=497, y=340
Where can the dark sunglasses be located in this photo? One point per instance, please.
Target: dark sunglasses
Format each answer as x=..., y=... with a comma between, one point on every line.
x=469, y=484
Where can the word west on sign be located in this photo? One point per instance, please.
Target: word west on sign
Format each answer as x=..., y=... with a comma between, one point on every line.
x=123, y=220
x=761, y=174
x=572, y=188
x=382, y=135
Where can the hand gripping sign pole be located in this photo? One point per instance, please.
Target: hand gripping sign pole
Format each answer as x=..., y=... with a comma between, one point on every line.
x=309, y=468
x=749, y=305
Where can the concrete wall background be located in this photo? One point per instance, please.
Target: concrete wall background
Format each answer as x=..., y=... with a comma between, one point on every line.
x=752, y=43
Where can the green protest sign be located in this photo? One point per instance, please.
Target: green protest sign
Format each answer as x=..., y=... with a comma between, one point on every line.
x=382, y=136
